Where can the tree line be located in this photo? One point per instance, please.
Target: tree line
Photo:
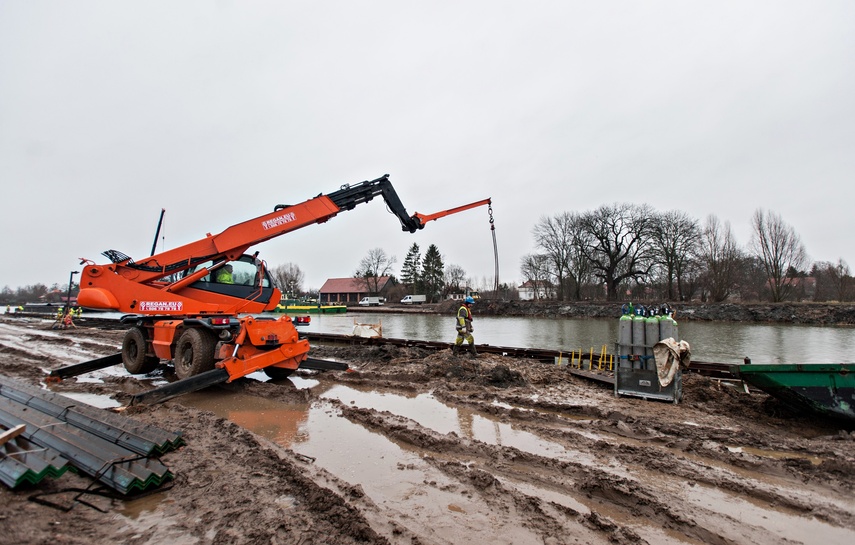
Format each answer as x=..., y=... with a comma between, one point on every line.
x=614, y=252
x=427, y=275
x=629, y=250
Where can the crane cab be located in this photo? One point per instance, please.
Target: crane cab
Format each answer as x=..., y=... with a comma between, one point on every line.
x=243, y=278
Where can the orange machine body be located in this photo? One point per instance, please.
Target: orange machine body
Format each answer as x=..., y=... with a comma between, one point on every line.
x=180, y=309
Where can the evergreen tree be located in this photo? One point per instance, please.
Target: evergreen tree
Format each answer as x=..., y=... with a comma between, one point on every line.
x=432, y=273
x=410, y=268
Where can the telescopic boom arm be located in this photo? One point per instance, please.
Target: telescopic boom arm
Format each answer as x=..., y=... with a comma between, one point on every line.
x=235, y=240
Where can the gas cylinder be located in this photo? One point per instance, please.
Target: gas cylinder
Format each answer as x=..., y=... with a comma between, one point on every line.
x=651, y=336
x=625, y=335
x=638, y=325
x=668, y=327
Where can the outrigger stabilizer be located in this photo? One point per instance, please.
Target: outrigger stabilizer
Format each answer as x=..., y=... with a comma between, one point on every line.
x=179, y=387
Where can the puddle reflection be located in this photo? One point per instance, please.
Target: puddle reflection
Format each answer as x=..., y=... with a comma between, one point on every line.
x=777, y=455
x=277, y=421
x=787, y=527
x=431, y=413
x=96, y=400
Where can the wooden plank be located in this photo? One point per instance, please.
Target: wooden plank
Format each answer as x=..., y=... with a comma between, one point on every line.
x=8, y=435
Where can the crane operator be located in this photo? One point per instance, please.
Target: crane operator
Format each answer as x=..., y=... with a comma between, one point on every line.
x=224, y=275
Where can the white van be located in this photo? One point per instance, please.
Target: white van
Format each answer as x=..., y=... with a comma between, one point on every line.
x=413, y=300
x=371, y=302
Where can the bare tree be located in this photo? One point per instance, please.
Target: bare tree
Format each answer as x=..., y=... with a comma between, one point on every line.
x=557, y=236
x=780, y=249
x=615, y=240
x=535, y=269
x=842, y=279
x=454, y=279
x=372, y=267
x=719, y=256
x=288, y=278
x=832, y=280
x=675, y=238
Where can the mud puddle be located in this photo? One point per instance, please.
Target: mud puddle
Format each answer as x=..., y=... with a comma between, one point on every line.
x=96, y=400
x=394, y=476
x=777, y=455
x=144, y=517
x=466, y=422
x=777, y=522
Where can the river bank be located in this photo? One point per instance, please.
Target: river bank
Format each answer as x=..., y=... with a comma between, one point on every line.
x=791, y=313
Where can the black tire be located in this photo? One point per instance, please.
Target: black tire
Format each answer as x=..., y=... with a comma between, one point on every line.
x=194, y=352
x=278, y=373
x=133, y=353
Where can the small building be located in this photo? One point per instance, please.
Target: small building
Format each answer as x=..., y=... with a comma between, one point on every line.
x=531, y=290
x=345, y=291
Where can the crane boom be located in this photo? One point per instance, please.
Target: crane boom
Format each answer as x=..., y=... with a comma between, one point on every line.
x=194, y=304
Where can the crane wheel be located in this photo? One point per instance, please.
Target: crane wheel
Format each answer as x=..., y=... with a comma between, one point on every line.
x=278, y=373
x=133, y=353
x=194, y=352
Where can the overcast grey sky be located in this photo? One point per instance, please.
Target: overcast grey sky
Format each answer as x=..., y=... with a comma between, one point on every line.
x=217, y=111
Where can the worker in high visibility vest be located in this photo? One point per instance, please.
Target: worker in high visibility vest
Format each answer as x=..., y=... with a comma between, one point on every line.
x=464, y=327
x=224, y=275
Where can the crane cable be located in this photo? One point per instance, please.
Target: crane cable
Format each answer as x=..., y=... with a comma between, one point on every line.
x=495, y=250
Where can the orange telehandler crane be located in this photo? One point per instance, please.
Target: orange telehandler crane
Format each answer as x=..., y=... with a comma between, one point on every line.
x=194, y=304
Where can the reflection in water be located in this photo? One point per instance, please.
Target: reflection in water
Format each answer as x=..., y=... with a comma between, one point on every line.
x=277, y=421
x=710, y=341
x=778, y=455
x=96, y=400
x=433, y=414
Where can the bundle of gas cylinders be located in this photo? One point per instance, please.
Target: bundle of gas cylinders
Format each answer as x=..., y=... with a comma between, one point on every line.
x=640, y=329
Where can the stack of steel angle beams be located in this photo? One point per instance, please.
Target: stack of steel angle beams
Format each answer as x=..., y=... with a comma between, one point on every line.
x=61, y=432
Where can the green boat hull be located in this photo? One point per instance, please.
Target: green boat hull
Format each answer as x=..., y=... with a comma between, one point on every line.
x=824, y=388
x=312, y=309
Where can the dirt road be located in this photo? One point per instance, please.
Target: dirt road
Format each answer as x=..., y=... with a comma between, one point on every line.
x=423, y=448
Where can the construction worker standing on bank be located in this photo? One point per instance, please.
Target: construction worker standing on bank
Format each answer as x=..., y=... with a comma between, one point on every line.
x=464, y=327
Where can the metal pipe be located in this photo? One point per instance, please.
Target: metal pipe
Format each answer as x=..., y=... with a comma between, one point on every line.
x=68, y=295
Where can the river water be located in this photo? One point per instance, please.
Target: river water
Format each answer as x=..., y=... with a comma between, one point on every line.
x=720, y=342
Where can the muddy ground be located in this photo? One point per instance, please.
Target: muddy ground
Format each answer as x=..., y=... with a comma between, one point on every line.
x=532, y=455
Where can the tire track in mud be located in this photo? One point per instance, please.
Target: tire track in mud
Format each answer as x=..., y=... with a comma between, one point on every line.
x=234, y=486
x=715, y=466
x=698, y=454
x=604, y=490
x=575, y=480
